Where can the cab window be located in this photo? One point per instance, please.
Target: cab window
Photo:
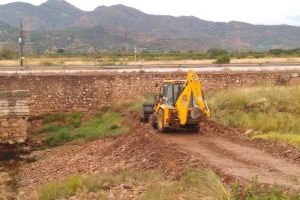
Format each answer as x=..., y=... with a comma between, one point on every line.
x=171, y=93
x=168, y=94
x=177, y=91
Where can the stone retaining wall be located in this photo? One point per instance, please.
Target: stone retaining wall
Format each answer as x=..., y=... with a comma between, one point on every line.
x=14, y=112
x=52, y=93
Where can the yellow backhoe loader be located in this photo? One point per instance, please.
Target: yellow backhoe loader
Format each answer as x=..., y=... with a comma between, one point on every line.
x=180, y=104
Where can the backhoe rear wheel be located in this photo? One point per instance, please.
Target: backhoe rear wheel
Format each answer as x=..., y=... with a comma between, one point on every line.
x=161, y=122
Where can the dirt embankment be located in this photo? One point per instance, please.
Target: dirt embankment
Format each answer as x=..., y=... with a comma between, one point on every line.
x=216, y=147
x=140, y=149
x=276, y=149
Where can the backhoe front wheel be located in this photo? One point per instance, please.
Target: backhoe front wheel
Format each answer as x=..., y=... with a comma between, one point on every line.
x=161, y=122
x=193, y=128
x=153, y=121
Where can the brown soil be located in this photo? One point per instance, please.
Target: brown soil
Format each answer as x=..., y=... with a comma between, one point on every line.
x=230, y=152
x=141, y=149
x=237, y=160
x=217, y=147
x=276, y=149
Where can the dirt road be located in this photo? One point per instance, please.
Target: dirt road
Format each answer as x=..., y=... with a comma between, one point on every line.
x=237, y=160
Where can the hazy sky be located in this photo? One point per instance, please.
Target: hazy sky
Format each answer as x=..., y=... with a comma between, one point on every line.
x=253, y=11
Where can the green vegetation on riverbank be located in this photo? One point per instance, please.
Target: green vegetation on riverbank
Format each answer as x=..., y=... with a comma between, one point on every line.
x=272, y=112
x=66, y=127
x=152, y=185
x=194, y=184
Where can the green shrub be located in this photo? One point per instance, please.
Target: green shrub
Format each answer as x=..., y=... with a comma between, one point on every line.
x=223, y=59
x=214, y=53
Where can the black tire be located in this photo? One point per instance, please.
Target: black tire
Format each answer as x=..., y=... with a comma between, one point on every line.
x=142, y=117
x=193, y=128
x=160, y=122
x=152, y=120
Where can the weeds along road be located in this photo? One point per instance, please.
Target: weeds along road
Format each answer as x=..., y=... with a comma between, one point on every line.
x=119, y=69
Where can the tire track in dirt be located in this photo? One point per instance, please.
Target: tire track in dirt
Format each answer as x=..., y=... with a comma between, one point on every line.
x=217, y=147
x=238, y=160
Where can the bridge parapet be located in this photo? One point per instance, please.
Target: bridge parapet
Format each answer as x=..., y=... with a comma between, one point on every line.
x=14, y=112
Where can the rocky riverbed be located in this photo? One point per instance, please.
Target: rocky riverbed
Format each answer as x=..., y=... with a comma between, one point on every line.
x=10, y=164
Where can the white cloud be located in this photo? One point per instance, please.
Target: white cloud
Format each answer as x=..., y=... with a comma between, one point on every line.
x=254, y=11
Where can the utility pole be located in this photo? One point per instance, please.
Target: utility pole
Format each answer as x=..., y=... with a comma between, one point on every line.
x=22, y=43
x=135, y=52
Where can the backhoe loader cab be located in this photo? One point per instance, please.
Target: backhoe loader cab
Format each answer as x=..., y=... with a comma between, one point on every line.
x=170, y=92
x=180, y=104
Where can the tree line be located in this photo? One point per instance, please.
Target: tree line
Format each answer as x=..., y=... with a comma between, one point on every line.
x=220, y=56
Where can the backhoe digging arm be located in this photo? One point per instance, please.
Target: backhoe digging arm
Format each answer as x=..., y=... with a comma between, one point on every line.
x=192, y=92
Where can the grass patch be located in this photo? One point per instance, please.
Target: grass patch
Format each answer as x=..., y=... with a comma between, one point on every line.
x=256, y=191
x=273, y=111
x=291, y=139
x=194, y=184
x=73, y=118
x=66, y=127
x=67, y=188
x=101, y=125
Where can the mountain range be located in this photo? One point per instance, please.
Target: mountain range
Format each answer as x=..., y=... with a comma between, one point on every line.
x=56, y=24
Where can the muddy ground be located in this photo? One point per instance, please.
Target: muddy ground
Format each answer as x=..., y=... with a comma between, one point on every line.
x=225, y=150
